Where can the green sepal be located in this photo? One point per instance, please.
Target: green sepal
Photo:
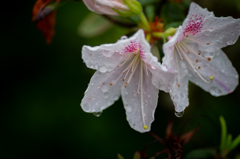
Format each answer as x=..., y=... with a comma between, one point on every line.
x=124, y=14
x=134, y=6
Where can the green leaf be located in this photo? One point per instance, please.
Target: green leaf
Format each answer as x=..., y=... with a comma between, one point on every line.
x=120, y=157
x=137, y=155
x=201, y=153
x=228, y=141
x=235, y=142
x=93, y=25
x=224, y=133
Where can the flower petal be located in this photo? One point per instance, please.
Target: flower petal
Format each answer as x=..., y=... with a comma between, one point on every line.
x=140, y=108
x=219, y=32
x=225, y=75
x=99, y=94
x=105, y=58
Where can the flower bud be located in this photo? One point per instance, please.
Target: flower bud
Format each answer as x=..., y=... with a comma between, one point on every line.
x=123, y=8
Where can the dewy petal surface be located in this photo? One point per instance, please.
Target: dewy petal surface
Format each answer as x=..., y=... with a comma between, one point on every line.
x=218, y=31
x=195, y=53
x=225, y=75
x=138, y=113
x=99, y=94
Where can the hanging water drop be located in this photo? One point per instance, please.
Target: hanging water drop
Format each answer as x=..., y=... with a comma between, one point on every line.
x=97, y=114
x=179, y=114
x=123, y=37
x=104, y=88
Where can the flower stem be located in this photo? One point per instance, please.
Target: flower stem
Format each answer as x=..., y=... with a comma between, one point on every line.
x=158, y=34
x=144, y=21
x=148, y=37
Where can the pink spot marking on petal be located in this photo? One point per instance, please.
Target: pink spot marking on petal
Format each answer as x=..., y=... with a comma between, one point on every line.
x=195, y=25
x=134, y=47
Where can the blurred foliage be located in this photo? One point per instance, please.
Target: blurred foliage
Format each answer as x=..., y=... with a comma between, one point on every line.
x=42, y=86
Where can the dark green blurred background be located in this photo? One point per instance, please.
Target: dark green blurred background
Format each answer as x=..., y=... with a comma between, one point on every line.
x=42, y=85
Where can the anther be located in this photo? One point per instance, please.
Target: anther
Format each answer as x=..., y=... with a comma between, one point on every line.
x=209, y=58
x=196, y=60
x=118, y=66
x=208, y=43
x=199, y=67
x=147, y=76
x=110, y=84
x=126, y=83
x=145, y=127
x=183, y=59
x=125, y=86
x=187, y=51
x=211, y=78
x=137, y=93
x=199, y=53
x=123, y=79
x=178, y=85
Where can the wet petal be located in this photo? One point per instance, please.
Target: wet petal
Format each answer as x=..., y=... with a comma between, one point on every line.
x=108, y=56
x=103, y=58
x=219, y=32
x=99, y=94
x=140, y=112
x=163, y=77
x=225, y=75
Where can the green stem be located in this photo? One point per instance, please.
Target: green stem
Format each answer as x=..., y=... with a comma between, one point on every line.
x=148, y=37
x=158, y=34
x=144, y=21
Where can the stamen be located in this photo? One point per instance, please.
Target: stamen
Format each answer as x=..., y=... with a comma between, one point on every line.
x=145, y=127
x=196, y=60
x=178, y=85
x=135, y=67
x=184, y=48
x=190, y=63
x=124, y=61
x=146, y=69
x=198, y=41
x=199, y=67
x=178, y=52
x=193, y=51
x=209, y=58
x=141, y=72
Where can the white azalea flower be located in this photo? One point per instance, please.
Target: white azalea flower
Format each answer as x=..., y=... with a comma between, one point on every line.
x=195, y=52
x=125, y=68
x=105, y=6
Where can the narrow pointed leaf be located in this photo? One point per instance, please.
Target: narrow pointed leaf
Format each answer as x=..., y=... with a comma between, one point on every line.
x=235, y=142
x=137, y=155
x=120, y=157
x=224, y=133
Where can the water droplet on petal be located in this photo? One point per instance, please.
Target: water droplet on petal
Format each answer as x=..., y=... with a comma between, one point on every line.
x=179, y=114
x=215, y=91
x=107, y=53
x=153, y=67
x=123, y=37
x=97, y=114
x=236, y=76
x=97, y=4
x=229, y=42
x=129, y=109
x=92, y=84
x=103, y=69
x=104, y=88
x=106, y=95
x=85, y=106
